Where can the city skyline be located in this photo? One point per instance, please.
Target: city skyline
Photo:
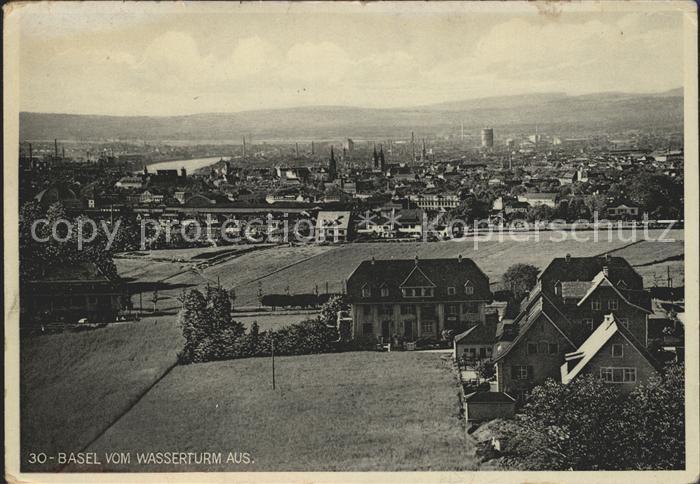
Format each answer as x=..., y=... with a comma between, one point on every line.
x=129, y=59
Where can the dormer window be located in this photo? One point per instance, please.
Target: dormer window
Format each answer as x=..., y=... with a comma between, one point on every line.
x=451, y=291
x=384, y=291
x=557, y=288
x=366, y=291
x=418, y=291
x=468, y=288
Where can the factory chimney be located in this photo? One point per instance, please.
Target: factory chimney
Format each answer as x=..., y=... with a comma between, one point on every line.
x=413, y=147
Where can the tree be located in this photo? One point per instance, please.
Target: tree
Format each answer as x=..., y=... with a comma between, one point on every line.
x=154, y=299
x=591, y=425
x=520, y=279
x=472, y=209
x=595, y=204
x=571, y=426
x=485, y=369
x=654, y=422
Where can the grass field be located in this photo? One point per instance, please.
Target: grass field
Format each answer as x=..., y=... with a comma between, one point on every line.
x=656, y=260
x=74, y=384
x=351, y=411
x=302, y=269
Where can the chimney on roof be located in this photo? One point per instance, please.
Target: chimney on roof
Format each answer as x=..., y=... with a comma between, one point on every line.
x=607, y=256
x=568, y=257
x=416, y=259
x=459, y=258
x=373, y=260
x=605, y=270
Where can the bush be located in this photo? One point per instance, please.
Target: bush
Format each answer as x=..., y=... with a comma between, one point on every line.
x=210, y=333
x=590, y=425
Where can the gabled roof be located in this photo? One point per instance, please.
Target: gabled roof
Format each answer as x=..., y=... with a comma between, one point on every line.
x=482, y=333
x=574, y=289
x=601, y=280
x=489, y=397
x=536, y=307
x=595, y=342
x=417, y=278
x=441, y=274
x=586, y=269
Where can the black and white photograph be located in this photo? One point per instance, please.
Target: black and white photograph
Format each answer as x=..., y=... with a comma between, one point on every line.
x=315, y=241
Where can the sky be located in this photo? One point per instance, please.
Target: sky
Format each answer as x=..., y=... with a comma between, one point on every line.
x=183, y=58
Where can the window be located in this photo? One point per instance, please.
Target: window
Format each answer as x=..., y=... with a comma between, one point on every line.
x=521, y=372
x=595, y=305
x=532, y=348
x=451, y=291
x=367, y=329
x=553, y=348
x=618, y=375
x=427, y=326
x=544, y=347
x=367, y=310
x=612, y=304
x=482, y=352
x=588, y=322
x=427, y=311
x=452, y=309
x=470, y=308
x=386, y=310
x=365, y=291
x=617, y=351
x=418, y=291
x=557, y=288
x=384, y=291
x=468, y=288
x=625, y=322
x=408, y=309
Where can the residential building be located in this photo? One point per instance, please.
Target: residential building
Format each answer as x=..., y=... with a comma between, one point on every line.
x=613, y=354
x=623, y=211
x=332, y=226
x=438, y=201
x=68, y=293
x=536, y=199
x=412, y=299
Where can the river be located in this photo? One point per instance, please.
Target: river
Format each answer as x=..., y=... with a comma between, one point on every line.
x=190, y=165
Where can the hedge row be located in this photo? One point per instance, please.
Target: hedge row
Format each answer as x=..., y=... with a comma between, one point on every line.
x=304, y=300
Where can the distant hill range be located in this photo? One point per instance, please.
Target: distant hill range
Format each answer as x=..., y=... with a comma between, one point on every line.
x=565, y=114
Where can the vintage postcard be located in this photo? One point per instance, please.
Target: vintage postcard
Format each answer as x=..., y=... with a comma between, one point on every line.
x=351, y=242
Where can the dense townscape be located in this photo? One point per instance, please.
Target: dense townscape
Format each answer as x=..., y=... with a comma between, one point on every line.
x=343, y=238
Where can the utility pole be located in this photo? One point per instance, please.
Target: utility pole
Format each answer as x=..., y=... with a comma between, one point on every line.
x=272, y=335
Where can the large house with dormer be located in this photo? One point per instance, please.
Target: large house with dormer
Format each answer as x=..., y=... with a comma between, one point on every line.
x=414, y=299
x=562, y=319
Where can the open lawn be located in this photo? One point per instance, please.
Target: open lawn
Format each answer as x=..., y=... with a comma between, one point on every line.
x=74, y=384
x=310, y=267
x=655, y=261
x=356, y=411
x=332, y=266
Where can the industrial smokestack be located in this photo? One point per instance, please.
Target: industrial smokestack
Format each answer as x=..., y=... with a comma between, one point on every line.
x=413, y=147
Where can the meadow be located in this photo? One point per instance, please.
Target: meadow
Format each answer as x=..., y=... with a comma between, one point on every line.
x=72, y=385
x=308, y=268
x=359, y=411
x=75, y=384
